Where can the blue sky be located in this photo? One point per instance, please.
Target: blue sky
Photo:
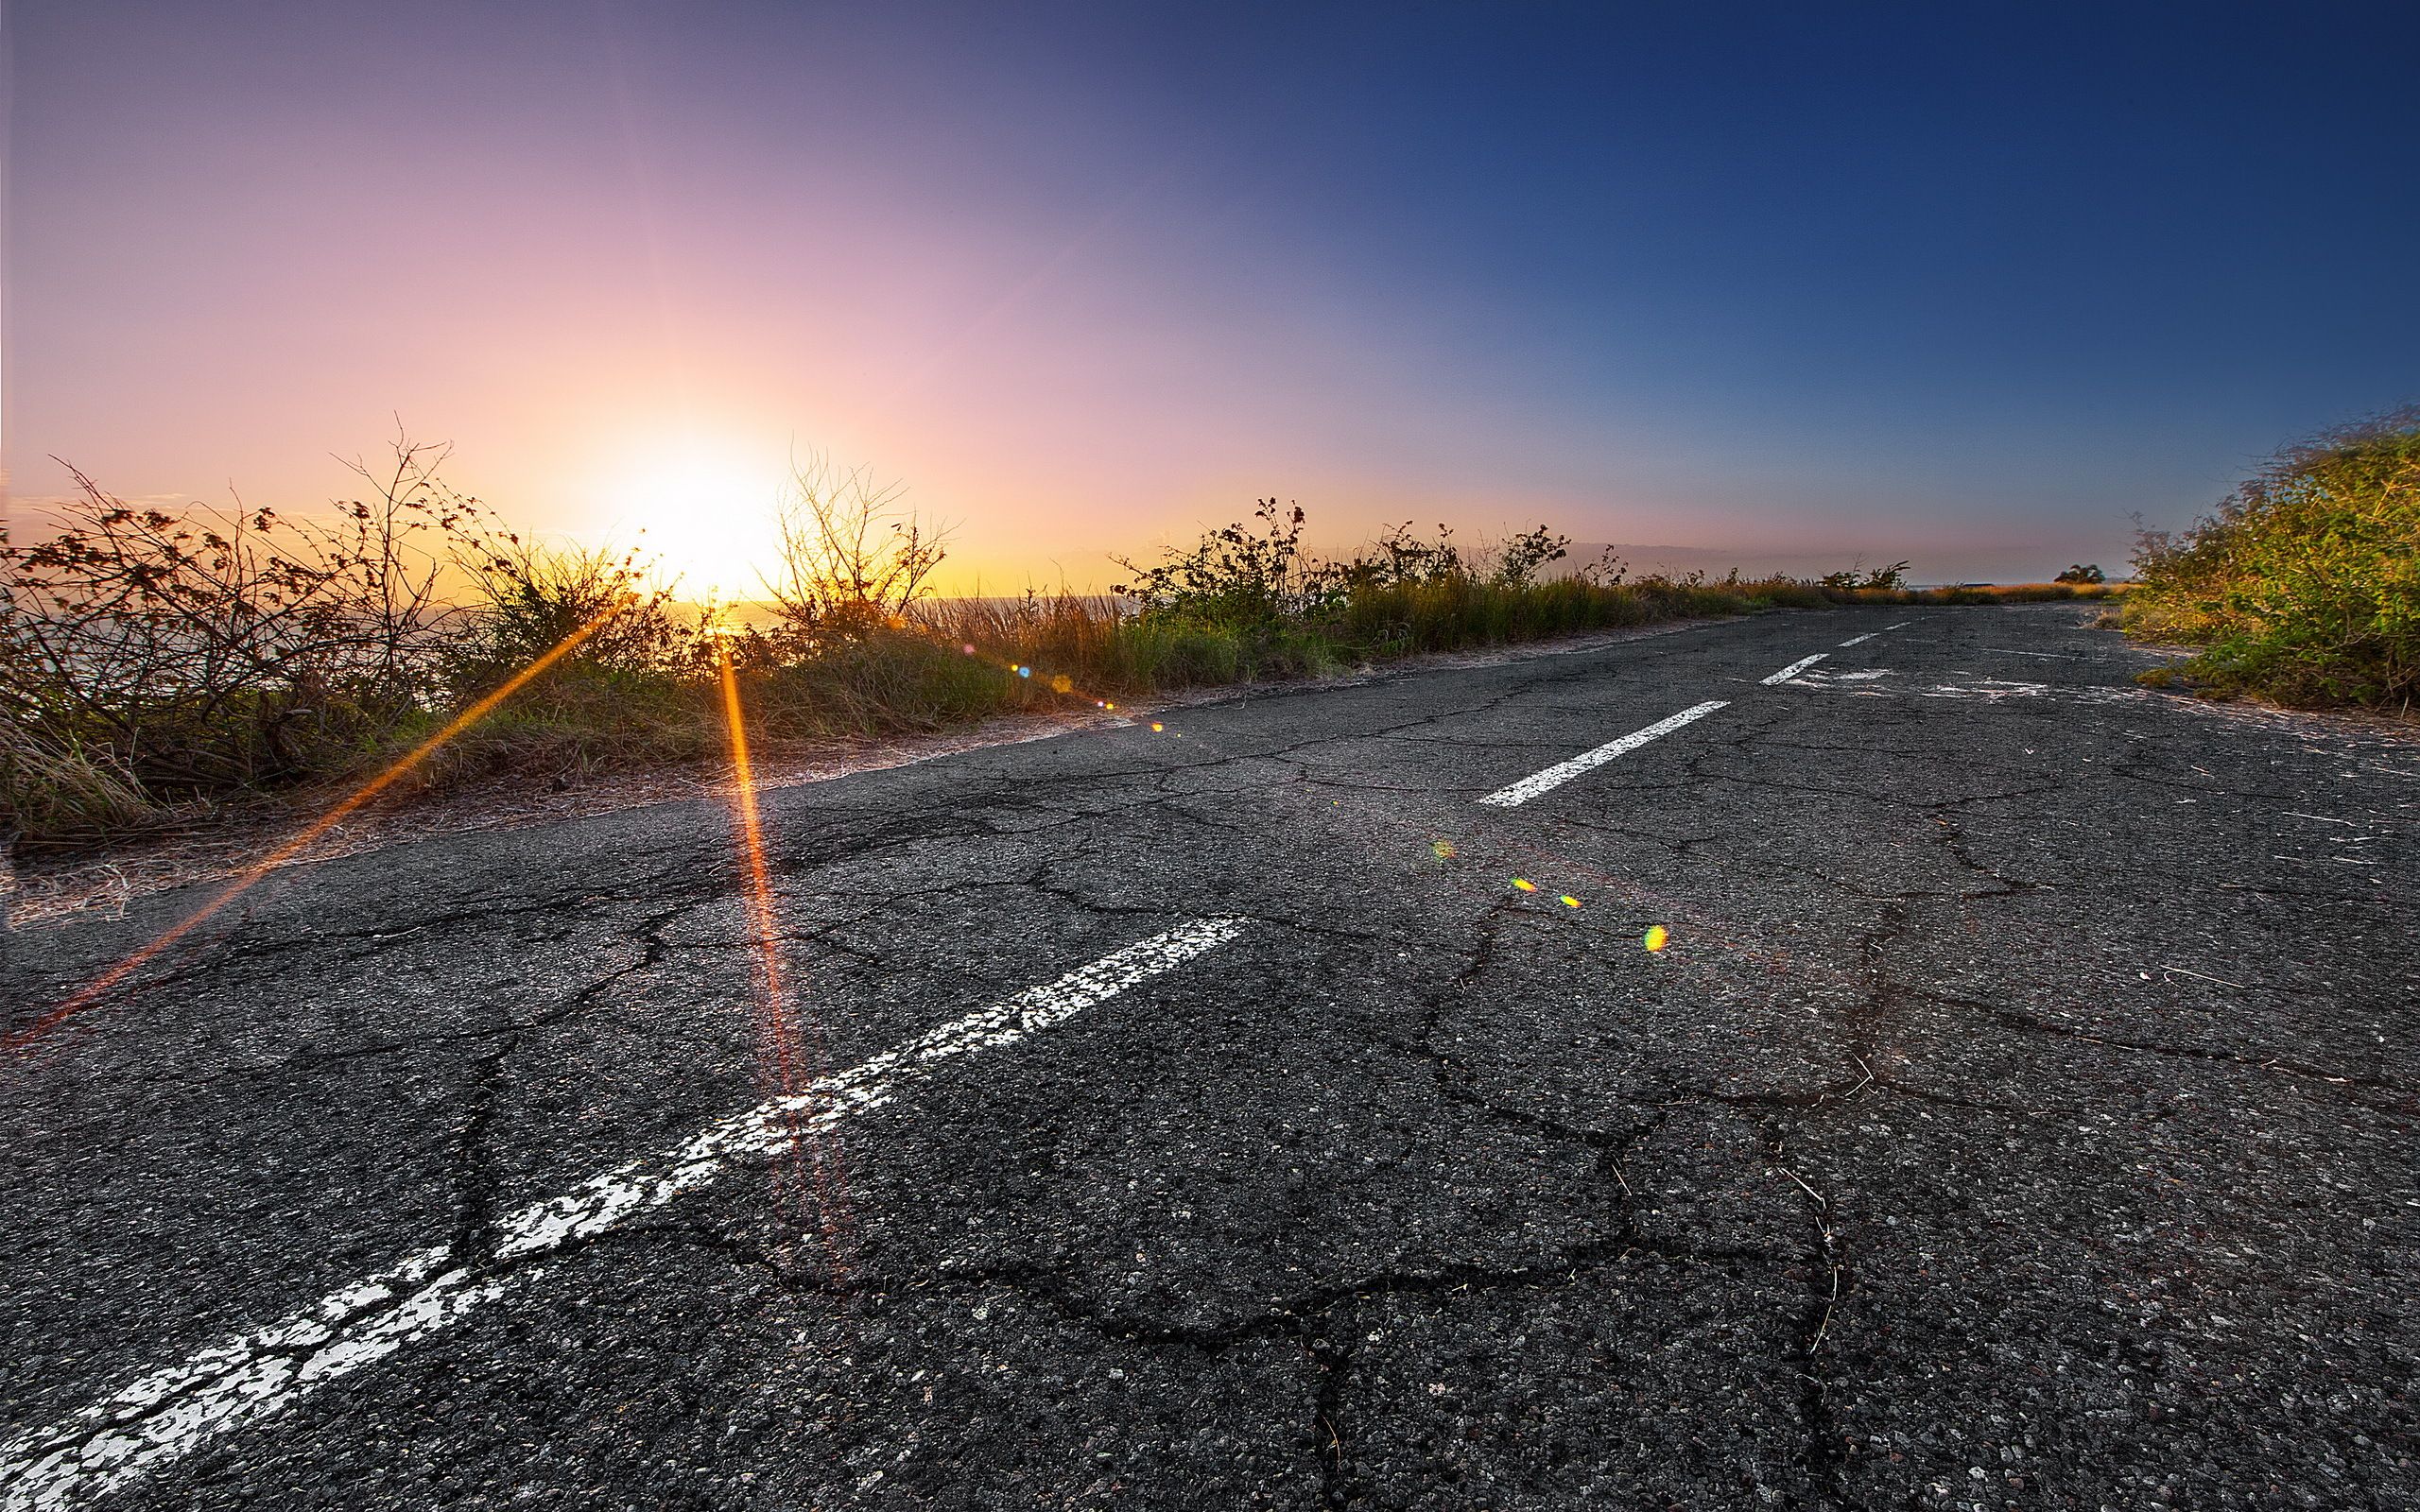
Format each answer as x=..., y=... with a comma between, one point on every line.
x=1962, y=283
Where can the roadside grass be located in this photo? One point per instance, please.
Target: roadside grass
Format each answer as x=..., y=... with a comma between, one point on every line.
x=1971, y=593
x=161, y=669
x=2303, y=586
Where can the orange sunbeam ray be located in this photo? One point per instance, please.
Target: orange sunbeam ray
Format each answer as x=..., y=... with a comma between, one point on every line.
x=775, y=1026
x=243, y=880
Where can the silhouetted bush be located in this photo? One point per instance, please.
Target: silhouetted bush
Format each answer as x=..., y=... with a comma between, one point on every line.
x=149, y=657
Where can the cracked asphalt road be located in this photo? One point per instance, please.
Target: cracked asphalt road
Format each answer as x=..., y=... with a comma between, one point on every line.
x=2021, y=1116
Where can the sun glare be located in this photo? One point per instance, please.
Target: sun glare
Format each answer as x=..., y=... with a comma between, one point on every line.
x=707, y=517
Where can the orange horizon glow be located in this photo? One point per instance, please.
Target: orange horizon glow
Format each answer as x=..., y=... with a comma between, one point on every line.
x=1046, y=271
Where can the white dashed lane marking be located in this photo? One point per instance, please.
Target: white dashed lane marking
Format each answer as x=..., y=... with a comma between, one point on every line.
x=1555, y=776
x=1795, y=668
x=153, y=1421
x=1859, y=639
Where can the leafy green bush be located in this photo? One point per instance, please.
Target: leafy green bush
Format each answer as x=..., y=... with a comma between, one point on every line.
x=1236, y=576
x=2304, y=584
x=522, y=599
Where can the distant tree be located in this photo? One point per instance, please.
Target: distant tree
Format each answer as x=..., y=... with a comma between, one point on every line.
x=2082, y=573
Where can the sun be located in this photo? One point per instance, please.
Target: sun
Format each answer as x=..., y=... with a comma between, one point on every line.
x=706, y=514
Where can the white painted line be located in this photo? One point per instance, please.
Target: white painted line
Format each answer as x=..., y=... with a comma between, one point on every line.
x=1861, y=640
x=1554, y=777
x=250, y=1376
x=1795, y=668
x=1996, y=690
x=1901, y=626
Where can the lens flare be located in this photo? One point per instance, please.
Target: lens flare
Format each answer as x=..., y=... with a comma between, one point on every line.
x=793, y=1061
x=246, y=879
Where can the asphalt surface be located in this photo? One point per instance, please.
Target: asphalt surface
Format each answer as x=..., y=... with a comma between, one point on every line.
x=2020, y=1115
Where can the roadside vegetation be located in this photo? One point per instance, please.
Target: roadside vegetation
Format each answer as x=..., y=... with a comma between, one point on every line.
x=157, y=667
x=2303, y=585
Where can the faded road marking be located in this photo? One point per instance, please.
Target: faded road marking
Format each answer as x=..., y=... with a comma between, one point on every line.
x=1554, y=777
x=1795, y=668
x=241, y=1380
x=1996, y=689
x=1866, y=684
x=1861, y=640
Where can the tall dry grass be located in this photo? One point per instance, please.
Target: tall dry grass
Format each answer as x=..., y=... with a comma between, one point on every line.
x=159, y=667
